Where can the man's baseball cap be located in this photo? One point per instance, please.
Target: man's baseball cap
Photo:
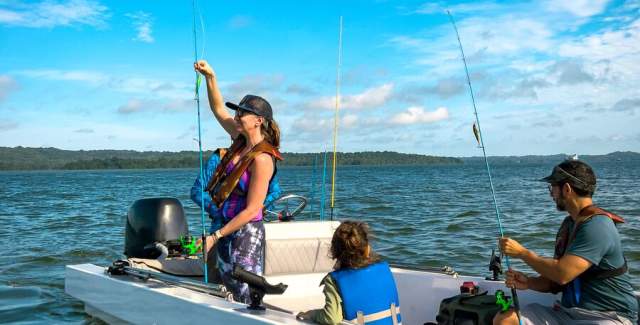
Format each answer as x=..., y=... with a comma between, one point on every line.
x=575, y=172
x=254, y=104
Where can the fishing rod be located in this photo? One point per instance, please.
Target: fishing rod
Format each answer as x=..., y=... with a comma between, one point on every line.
x=197, y=99
x=478, y=134
x=324, y=184
x=335, y=122
x=313, y=184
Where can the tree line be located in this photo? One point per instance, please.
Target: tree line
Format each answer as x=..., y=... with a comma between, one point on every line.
x=21, y=158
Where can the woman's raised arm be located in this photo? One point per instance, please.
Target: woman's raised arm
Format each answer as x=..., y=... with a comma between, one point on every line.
x=215, y=98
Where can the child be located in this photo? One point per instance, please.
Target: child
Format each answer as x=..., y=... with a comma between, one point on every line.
x=361, y=289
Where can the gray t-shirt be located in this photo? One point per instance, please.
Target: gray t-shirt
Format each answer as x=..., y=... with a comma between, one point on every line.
x=597, y=241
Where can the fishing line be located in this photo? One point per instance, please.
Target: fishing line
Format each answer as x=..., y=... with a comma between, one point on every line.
x=486, y=161
x=197, y=99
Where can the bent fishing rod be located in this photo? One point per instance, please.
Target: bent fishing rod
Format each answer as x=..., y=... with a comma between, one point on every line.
x=478, y=133
x=197, y=99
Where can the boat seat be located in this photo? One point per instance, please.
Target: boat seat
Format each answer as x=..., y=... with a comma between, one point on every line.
x=298, y=247
x=297, y=254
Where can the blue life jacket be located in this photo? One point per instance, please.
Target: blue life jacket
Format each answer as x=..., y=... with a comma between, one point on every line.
x=369, y=294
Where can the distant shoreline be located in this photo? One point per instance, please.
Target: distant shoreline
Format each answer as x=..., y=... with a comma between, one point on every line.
x=21, y=158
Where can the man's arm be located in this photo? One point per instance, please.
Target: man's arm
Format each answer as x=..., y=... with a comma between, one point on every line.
x=521, y=281
x=542, y=284
x=560, y=271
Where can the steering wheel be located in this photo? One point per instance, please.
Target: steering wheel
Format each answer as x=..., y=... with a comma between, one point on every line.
x=285, y=208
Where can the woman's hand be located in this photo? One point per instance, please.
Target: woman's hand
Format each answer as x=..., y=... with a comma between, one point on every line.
x=512, y=248
x=305, y=315
x=203, y=67
x=209, y=241
x=517, y=280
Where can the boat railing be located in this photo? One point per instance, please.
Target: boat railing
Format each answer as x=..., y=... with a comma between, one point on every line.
x=448, y=270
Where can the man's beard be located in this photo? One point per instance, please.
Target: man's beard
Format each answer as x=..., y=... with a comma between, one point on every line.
x=560, y=203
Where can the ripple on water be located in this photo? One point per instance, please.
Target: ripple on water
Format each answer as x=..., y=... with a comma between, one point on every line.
x=469, y=213
x=19, y=302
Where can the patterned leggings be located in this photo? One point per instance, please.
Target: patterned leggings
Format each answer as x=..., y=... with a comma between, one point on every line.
x=244, y=247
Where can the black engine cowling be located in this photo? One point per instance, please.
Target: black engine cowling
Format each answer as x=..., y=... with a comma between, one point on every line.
x=151, y=221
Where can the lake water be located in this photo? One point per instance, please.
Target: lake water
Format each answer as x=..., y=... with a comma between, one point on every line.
x=420, y=215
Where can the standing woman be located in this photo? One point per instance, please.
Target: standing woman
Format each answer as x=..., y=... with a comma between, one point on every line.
x=240, y=183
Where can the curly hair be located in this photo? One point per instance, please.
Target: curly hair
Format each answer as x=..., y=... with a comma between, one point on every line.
x=350, y=244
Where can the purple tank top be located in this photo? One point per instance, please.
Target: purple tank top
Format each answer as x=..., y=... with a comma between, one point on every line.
x=235, y=203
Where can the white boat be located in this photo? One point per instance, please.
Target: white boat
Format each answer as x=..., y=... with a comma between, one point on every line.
x=296, y=254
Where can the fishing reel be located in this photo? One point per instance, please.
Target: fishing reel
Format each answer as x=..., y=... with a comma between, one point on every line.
x=285, y=208
x=183, y=246
x=189, y=245
x=495, y=266
x=505, y=302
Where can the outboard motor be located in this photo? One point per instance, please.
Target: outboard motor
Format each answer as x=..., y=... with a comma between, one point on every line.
x=153, y=221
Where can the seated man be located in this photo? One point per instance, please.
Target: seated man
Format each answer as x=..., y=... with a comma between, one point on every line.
x=274, y=192
x=588, y=267
x=361, y=289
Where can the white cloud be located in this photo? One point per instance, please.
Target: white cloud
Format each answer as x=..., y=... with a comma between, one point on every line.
x=627, y=105
x=127, y=84
x=349, y=120
x=133, y=106
x=6, y=125
x=68, y=75
x=370, y=98
x=505, y=35
x=441, y=7
x=240, y=21
x=613, y=45
x=417, y=115
x=50, y=14
x=86, y=130
x=142, y=23
x=136, y=105
x=257, y=84
x=7, y=85
x=323, y=127
x=579, y=8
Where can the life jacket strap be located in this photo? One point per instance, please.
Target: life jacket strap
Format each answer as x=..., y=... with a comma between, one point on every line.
x=392, y=312
x=598, y=273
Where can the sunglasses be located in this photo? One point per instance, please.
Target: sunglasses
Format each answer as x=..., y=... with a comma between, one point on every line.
x=242, y=112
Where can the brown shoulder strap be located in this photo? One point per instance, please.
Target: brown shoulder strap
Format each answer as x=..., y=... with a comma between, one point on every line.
x=593, y=210
x=562, y=238
x=568, y=235
x=225, y=185
x=226, y=156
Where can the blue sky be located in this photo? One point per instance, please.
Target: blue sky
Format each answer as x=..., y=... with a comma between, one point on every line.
x=549, y=76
